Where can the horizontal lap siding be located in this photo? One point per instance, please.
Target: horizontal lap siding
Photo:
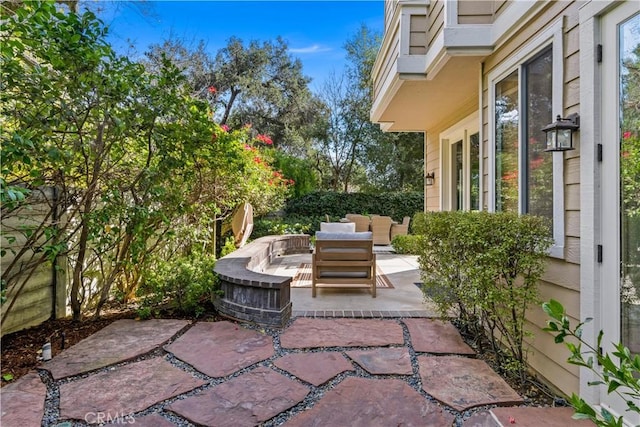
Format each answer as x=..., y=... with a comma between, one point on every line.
x=432, y=193
x=436, y=20
x=475, y=12
x=389, y=65
x=561, y=280
x=418, y=35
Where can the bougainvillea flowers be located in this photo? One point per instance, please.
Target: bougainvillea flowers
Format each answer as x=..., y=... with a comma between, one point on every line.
x=264, y=139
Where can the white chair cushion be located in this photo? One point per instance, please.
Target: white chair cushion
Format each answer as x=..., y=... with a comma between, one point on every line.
x=338, y=227
x=362, y=235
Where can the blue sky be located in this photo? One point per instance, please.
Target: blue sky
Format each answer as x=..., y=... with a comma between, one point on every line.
x=314, y=30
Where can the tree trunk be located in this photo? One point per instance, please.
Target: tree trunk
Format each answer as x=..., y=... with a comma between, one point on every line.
x=76, y=306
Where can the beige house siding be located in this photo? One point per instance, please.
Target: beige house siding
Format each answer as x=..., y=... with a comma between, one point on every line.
x=390, y=60
x=436, y=20
x=499, y=7
x=389, y=9
x=432, y=164
x=475, y=12
x=562, y=278
x=418, y=35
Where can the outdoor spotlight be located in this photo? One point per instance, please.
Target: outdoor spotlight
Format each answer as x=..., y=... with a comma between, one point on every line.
x=560, y=133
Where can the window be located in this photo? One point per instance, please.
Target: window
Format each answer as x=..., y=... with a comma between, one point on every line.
x=536, y=196
x=460, y=157
x=537, y=96
x=524, y=97
x=507, y=119
x=474, y=156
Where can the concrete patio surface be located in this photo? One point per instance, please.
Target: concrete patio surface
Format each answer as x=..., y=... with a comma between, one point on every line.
x=314, y=372
x=404, y=299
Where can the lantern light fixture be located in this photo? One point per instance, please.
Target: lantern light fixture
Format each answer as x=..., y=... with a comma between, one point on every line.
x=559, y=134
x=429, y=179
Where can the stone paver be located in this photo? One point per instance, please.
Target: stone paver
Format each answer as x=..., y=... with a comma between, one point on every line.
x=122, y=340
x=314, y=368
x=361, y=402
x=221, y=348
x=530, y=417
x=436, y=336
x=383, y=361
x=314, y=333
x=481, y=419
x=153, y=420
x=254, y=393
x=464, y=383
x=247, y=400
x=124, y=390
x=22, y=403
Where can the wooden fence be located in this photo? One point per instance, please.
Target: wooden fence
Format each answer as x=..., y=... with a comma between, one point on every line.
x=45, y=293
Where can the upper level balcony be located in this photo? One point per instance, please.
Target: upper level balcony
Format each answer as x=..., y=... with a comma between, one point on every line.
x=429, y=63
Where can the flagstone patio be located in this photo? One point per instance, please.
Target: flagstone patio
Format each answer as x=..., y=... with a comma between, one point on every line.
x=314, y=372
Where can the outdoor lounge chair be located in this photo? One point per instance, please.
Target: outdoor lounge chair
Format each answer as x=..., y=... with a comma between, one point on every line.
x=343, y=260
x=362, y=221
x=381, y=229
x=400, y=229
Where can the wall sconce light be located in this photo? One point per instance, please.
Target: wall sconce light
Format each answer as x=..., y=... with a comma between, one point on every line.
x=429, y=179
x=560, y=133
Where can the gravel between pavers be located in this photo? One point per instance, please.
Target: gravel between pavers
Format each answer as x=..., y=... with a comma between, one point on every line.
x=52, y=402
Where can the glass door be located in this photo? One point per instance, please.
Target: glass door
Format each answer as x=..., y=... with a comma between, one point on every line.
x=621, y=184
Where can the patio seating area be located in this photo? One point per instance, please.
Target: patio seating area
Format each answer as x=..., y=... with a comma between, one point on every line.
x=384, y=228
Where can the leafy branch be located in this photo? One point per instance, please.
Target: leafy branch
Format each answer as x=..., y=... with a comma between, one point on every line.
x=620, y=373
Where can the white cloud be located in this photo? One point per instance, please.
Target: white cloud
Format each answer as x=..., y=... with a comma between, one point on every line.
x=315, y=48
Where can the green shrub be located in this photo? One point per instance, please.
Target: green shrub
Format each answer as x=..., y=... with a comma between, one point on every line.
x=621, y=378
x=485, y=266
x=396, y=205
x=228, y=247
x=406, y=244
x=185, y=285
x=285, y=225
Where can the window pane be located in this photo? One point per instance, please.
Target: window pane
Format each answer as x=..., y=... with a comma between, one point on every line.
x=629, y=69
x=538, y=77
x=507, y=143
x=474, y=153
x=458, y=176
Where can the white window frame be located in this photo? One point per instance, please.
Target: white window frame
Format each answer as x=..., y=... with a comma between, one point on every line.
x=461, y=131
x=552, y=35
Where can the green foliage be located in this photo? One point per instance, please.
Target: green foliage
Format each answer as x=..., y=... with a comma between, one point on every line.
x=285, y=225
x=228, y=247
x=256, y=82
x=406, y=244
x=619, y=371
x=485, y=266
x=337, y=205
x=296, y=170
x=138, y=167
x=186, y=285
